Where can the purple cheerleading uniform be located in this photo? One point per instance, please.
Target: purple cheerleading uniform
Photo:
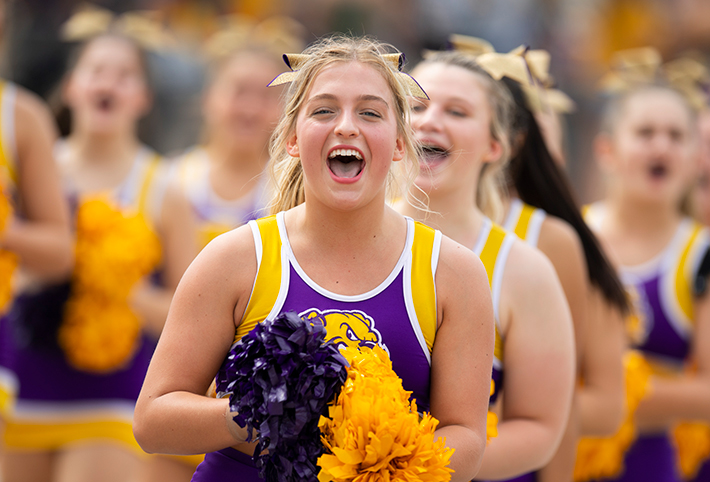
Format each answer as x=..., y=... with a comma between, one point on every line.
x=399, y=315
x=59, y=404
x=661, y=291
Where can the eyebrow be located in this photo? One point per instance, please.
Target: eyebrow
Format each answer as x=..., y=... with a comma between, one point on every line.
x=364, y=97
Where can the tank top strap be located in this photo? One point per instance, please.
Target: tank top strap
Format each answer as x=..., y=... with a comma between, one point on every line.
x=8, y=149
x=425, y=258
x=493, y=249
x=268, y=281
x=525, y=221
x=687, y=259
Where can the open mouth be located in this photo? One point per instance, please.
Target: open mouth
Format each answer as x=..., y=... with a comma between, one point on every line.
x=658, y=171
x=105, y=103
x=432, y=154
x=345, y=163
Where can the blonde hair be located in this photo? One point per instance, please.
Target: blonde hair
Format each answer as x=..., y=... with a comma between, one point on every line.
x=491, y=183
x=286, y=171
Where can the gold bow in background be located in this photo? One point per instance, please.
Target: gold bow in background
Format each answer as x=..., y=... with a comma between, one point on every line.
x=142, y=26
x=635, y=68
x=530, y=68
x=276, y=34
x=396, y=61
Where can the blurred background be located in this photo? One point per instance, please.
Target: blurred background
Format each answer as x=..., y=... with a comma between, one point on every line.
x=580, y=34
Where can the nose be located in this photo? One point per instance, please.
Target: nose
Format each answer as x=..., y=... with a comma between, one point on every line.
x=427, y=119
x=346, y=125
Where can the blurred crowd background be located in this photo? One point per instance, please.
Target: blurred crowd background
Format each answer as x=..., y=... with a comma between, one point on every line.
x=581, y=35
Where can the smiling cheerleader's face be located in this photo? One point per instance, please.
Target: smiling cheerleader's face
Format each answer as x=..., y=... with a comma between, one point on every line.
x=454, y=128
x=346, y=136
x=653, y=149
x=107, y=89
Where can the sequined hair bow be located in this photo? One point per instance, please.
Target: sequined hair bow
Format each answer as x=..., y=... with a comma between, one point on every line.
x=635, y=68
x=528, y=67
x=142, y=26
x=395, y=61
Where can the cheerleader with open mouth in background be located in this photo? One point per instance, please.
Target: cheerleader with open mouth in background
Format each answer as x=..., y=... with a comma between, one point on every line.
x=73, y=418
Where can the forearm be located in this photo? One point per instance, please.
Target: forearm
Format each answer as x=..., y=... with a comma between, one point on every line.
x=561, y=467
x=670, y=400
x=600, y=411
x=152, y=303
x=468, y=450
x=183, y=423
x=522, y=446
x=45, y=250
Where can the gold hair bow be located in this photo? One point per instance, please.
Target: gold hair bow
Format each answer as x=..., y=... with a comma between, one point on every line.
x=275, y=34
x=530, y=68
x=644, y=66
x=142, y=26
x=396, y=62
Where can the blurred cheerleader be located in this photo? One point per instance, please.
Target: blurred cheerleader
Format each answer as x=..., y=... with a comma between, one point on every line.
x=35, y=240
x=541, y=209
x=464, y=129
x=648, y=148
x=337, y=252
x=73, y=419
x=223, y=177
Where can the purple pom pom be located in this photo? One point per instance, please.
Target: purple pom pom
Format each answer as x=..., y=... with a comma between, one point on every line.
x=281, y=376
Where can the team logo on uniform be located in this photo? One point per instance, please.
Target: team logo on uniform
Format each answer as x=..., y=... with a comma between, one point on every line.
x=638, y=322
x=346, y=328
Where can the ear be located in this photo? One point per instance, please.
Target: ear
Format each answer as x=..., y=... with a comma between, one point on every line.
x=495, y=151
x=292, y=146
x=398, y=149
x=603, y=152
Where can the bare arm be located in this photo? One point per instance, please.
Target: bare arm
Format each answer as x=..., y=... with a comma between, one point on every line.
x=42, y=237
x=539, y=367
x=462, y=357
x=177, y=233
x=601, y=397
x=197, y=336
x=686, y=397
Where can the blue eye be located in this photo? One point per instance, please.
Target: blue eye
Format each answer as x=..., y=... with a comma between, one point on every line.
x=322, y=111
x=370, y=113
x=417, y=108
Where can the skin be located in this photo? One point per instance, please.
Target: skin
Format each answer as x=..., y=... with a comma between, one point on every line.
x=41, y=237
x=702, y=190
x=534, y=316
x=240, y=112
x=654, y=128
x=341, y=228
x=103, y=147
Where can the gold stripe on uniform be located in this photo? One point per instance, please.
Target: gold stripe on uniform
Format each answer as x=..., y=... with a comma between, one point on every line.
x=683, y=289
x=268, y=280
x=521, y=227
x=423, y=286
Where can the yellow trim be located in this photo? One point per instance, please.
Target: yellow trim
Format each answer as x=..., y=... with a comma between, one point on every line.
x=147, y=183
x=683, y=290
x=39, y=436
x=268, y=279
x=7, y=399
x=423, y=285
x=489, y=258
x=489, y=253
x=6, y=163
x=521, y=227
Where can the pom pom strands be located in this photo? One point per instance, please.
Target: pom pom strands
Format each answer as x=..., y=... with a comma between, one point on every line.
x=373, y=431
x=8, y=259
x=113, y=253
x=281, y=376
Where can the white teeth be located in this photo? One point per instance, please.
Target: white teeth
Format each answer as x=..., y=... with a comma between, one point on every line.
x=345, y=152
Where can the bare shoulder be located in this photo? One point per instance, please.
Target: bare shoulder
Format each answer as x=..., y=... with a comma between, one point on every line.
x=458, y=262
x=529, y=270
x=558, y=235
x=30, y=111
x=227, y=263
